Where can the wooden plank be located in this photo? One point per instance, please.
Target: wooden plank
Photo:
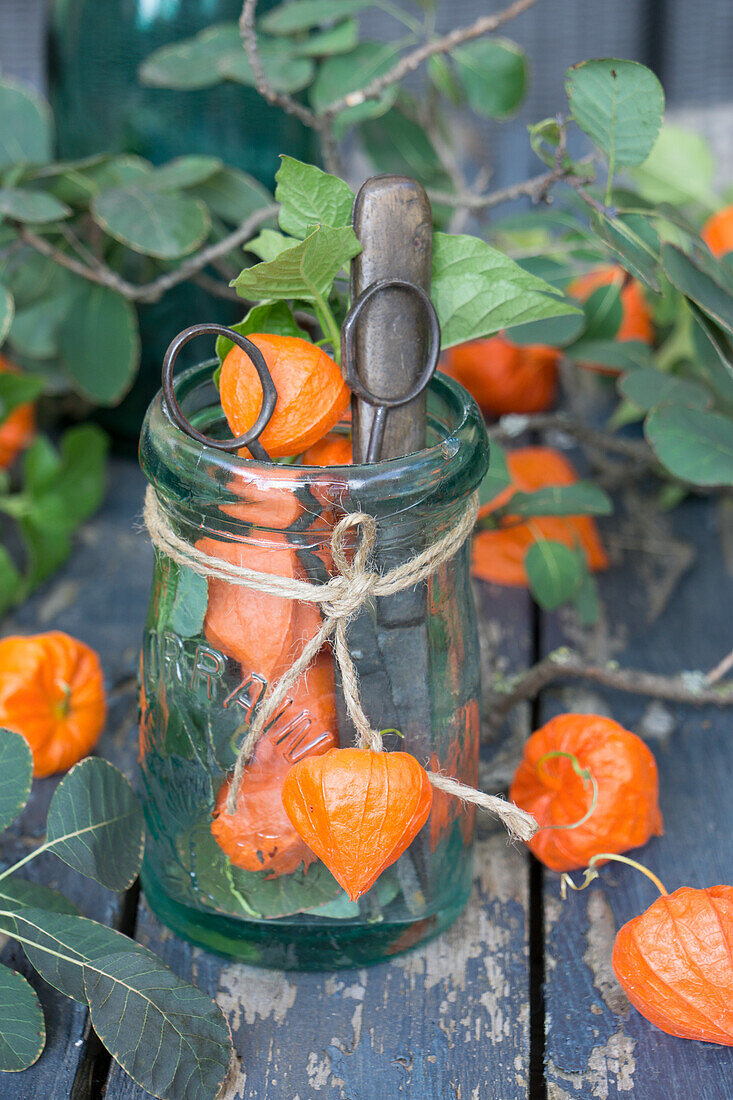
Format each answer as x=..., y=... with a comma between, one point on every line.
x=450, y=1019
x=447, y=1020
x=100, y=596
x=596, y=1044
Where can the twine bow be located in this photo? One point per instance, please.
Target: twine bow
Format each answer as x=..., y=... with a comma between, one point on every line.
x=340, y=599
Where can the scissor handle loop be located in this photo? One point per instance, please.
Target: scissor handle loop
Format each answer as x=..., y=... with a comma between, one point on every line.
x=269, y=393
x=348, y=337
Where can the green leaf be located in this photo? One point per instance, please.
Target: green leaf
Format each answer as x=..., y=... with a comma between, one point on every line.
x=285, y=895
x=99, y=345
x=274, y=317
x=78, y=187
x=17, y=389
x=7, y=311
x=585, y=600
x=477, y=290
x=309, y=197
x=22, y=1027
x=648, y=388
x=339, y=39
x=10, y=581
x=189, y=604
x=350, y=72
x=302, y=15
x=616, y=354
x=163, y=224
x=693, y=444
x=18, y=893
x=41, y=465
x=634, y=243
x=619, y=104
x=444, y=80
x=553, y=572
x=305, y=271
x=233, y=195
x=496, y=478
x=183, y=172
x=191, y=63
x=603, y=312
x=558, y=332
x=679, y=169
x=268, y=244
x=31, y=206
x=167, y=1035
x=34, y=331
x=394, y=143
x=284, y=71
x=16, y=775
x=95, y=823
x=583, y=498
x=494, y=73
x=713, y=355
x=702, y=279
x=25, y=126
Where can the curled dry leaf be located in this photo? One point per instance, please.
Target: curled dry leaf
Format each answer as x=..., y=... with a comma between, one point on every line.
x=358, y=810
x=550, y=787
x=675, y=963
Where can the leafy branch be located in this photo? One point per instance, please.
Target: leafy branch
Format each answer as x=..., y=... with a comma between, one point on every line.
x=167, y=1035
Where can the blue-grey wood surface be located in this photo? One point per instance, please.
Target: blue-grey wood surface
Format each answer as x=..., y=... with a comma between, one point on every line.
x=597, y=1045
x=451, y=1019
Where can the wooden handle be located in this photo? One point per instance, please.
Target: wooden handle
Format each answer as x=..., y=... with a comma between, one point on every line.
x=393, y=221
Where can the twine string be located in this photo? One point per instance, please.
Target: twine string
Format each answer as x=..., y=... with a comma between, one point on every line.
x=340, y=599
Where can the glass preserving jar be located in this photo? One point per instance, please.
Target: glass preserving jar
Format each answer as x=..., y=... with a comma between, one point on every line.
x=246, y=885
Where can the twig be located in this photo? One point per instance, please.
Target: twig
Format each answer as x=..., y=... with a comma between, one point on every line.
x=716, y=674
x=279, y=99
x=486, y=24
x=511, y=426
x=152, y=291
x=694, y=688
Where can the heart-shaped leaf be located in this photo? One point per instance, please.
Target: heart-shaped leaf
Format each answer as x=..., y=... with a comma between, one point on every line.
x=95, y=824
x=554, y=572
x=477, y=290
x=494, y=73
x=357, y=810
x=619, y=104
x=25, y=126
x=16, y=775
x=22, y=1027
x=99, y=344
x=302, y=15
x=31, y=206
x=648, y=388
x=309, y=197
x=166, y=1034
x=692, y=444
x=305, y=271
x=164, y=224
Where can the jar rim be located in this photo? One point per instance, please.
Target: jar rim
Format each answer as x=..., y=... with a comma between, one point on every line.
x=183, y=469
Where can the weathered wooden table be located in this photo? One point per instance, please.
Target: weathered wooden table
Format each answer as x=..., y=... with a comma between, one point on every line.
x=518, y=999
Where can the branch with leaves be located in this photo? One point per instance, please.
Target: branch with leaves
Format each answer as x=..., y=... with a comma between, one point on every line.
x=165, y=1033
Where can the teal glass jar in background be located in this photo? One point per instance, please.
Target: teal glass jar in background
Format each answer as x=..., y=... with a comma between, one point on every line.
x=95, y=50
x=246, y=886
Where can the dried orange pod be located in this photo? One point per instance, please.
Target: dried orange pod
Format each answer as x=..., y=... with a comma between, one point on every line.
x=504, y=377
x=636, y=318
x=52, y=692
x=333, y=450
x=548, y=786
x=498, y=555
x=17, y=429
x=311, y=393
x=675, y=963
x=259, y=836
x=718, y=231
x=358, y=810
